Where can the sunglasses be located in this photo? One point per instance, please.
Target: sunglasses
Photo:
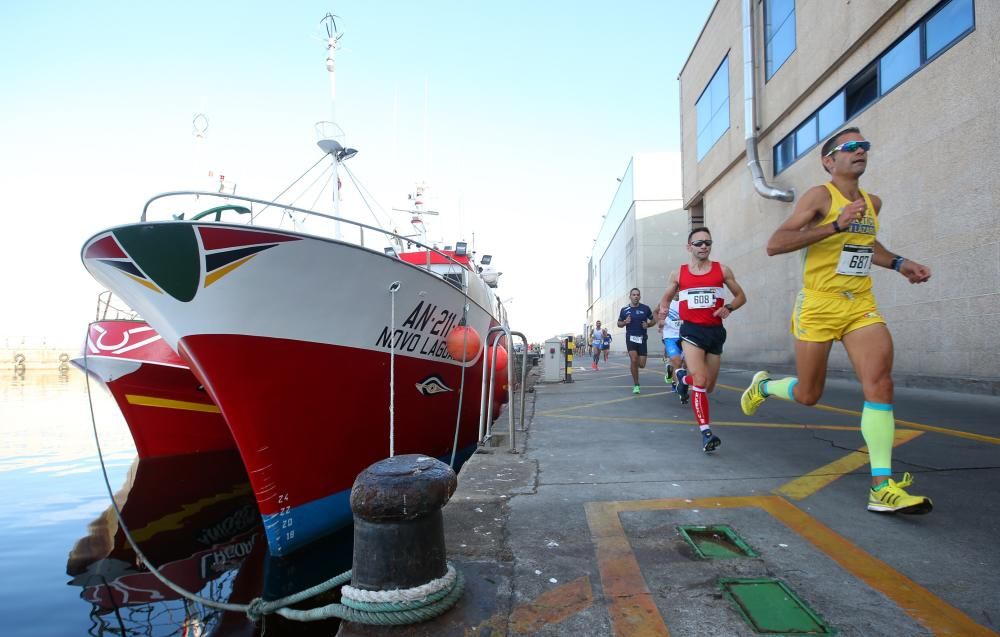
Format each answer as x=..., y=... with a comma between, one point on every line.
x=702, y=242
x=850, y=147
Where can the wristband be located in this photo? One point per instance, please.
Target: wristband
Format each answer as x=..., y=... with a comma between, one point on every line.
x=836, y=227
x=897, y=263
x=729, y=306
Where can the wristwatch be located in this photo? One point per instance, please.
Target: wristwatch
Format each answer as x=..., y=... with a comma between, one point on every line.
x=729, y=306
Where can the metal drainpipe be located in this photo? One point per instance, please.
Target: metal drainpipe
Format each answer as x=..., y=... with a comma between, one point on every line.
x=763, y=188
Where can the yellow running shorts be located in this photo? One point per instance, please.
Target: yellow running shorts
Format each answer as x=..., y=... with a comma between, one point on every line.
x=819, y=317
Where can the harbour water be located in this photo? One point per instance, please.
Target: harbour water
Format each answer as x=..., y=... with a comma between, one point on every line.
x=68, y=567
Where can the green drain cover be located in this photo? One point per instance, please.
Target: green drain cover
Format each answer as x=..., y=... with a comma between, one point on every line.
x=771, y=608
x=716, y=542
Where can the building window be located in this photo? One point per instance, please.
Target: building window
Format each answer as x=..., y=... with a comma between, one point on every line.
x=862, y=90
x=899, y=62
x=697, y=214
x=831, y=116
x=952, y=21
x=805, y=136
x=779, y=33
x=784, y=154
x=946, y=24
x=712, y=109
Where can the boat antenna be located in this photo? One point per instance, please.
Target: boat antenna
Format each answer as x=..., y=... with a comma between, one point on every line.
x=417, y=211
x=330, y=135
x=333, y=36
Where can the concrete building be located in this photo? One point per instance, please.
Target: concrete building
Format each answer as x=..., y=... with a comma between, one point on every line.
x=918, y=77
x=643, y=235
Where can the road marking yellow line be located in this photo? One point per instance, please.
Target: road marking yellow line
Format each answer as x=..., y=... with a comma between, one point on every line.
x=559, y=410
x=552, y=606
x=149, y=401
x=631, y=607
x=916, y=601
x=804, y=486
x=957, y=433
x=555, y=413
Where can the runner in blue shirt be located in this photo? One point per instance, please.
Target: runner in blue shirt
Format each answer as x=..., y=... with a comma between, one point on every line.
x=606, y=345
x=636, y=318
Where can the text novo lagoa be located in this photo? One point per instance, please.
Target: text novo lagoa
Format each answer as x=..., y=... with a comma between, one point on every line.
x=424, y=331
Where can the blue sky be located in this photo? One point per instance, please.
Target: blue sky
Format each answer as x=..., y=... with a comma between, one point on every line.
x=519, y=116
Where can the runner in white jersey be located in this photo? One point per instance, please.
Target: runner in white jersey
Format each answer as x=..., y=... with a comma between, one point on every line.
x=596, y=342
x=672, y=342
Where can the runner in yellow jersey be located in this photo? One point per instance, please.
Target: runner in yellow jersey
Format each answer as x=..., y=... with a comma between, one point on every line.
x=834, y=226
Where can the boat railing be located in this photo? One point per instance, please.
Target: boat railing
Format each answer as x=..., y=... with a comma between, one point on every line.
x=107, y=311
x=250, y=217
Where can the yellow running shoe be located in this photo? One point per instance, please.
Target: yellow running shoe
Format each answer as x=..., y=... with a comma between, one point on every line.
x=893, y=499
x=753, y=397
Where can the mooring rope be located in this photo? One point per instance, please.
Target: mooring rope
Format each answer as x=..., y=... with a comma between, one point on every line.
x=121, y=521
x=390, y=613
x=406, y=595
x=401, y=607
x=461, y=386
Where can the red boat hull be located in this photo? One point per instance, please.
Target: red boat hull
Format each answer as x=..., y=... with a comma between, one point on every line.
x=166, y=408
x=284, y=392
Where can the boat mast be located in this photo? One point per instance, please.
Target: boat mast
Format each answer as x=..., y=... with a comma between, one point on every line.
x=330, y=134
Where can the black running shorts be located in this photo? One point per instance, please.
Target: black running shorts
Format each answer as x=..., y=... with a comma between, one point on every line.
x=639, y=348
x=707, y=337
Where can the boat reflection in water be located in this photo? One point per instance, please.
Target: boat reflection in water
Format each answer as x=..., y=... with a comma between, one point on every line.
x=194, y=517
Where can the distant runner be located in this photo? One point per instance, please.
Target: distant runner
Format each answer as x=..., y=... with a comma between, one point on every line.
x=636, y=318
x=596, y=340
x=672, y=343
x=606, y=345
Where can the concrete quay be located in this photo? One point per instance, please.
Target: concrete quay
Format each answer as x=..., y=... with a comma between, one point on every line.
x=582, y=531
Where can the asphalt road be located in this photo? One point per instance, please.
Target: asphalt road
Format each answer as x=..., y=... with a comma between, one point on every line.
x=580, y=532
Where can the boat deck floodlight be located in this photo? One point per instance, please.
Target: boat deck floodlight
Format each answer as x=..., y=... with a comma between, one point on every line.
x=461, y=248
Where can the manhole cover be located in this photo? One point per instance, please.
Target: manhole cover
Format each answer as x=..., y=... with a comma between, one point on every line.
x=716, y=542
x=771, y=608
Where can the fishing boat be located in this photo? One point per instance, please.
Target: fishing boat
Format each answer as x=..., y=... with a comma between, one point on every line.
x=324, y=351
x=166, y=408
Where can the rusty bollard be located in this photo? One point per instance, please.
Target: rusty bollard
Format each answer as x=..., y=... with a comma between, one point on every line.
x=398, y=526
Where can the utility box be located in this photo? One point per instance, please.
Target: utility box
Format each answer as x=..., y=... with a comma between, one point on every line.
x=553, y=361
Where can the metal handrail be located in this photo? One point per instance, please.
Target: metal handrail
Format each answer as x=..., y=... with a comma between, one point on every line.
x=358, y=224
x=104, y=301
x=305, y=211
x=486, y=406
x=524, y=375
x=493, y=368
